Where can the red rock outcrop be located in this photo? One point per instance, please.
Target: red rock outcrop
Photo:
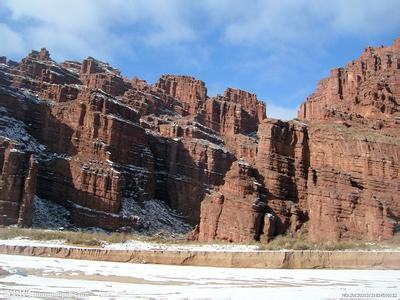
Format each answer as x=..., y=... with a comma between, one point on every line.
x=248, y=102
x=365, y=90
x=236, y=112
x=148, y=100
x=222, y=116
x=190, y=91
x=98, y=75
x=41, y=68
x=187, y=167
x=100, y=150
x=337, y=175
x=236, y=210
x=283, y=159
x=109, y=152
x=353, y=185
x=60, y=93
x=17, y=184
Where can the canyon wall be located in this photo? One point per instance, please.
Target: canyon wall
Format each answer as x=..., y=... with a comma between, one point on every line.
x=105, y=148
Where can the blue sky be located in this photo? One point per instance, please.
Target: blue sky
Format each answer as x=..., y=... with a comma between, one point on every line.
x=276, y=49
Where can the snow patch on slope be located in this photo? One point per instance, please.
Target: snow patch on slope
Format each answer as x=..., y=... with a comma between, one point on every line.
x=50, y=215
x=15, y=130
x=159, y=216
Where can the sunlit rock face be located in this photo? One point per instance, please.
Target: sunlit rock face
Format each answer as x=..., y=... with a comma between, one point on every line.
x=365, y=91
x=123, y=154
x=353, y=130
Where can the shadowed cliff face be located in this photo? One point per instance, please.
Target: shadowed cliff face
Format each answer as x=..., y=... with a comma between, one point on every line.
x=105, y=147
x=18, y=184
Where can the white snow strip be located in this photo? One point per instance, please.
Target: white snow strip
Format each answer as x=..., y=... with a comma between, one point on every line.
x=15, y=130
x=138, y=245
x=210, y=144
x=24, y=242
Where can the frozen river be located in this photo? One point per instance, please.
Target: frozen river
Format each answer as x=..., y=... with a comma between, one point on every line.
x=53, y=277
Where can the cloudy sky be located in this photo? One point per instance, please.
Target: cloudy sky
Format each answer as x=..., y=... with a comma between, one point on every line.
x=276, y=49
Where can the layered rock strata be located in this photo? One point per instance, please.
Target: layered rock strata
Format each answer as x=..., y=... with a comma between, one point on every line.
x=235, y=211
x=366, y=90
x=17, y=184
x=104, y=147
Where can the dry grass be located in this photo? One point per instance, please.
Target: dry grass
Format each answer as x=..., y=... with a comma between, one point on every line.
x=87, y=238
x=73, y=238
x=300, y=242
x=96, y=239
x=357, y=133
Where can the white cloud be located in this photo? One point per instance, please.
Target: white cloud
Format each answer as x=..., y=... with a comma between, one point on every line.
x=364, y=17
x=280, y=112
x=270, y=23
x=11, y=41
x=79, y=28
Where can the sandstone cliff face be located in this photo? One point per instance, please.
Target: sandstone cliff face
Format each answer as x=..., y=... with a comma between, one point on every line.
x=366, y=89
x=234, y=113
x=236, y=210
x=353, y=179
x=335, y=175
x=248, y=102
x=353, y=184
x=102, y=146
x=107, y=148
x=283, y=159
x=188, y=165
x=190, y=91
x=38, y=71
x=17, y=184
x=98, y=75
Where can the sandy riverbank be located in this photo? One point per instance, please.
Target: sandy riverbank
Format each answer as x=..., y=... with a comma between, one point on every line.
x=286, y=259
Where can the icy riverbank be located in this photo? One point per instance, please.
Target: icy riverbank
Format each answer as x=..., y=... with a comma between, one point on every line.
x=244, y=256
x=96, y=279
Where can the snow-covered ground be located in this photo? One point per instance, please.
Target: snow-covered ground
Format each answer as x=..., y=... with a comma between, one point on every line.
x=158, y=217
x=91, y=279
x=157, y=214
x=50, y=215
x=143, y=245
x=137, y=245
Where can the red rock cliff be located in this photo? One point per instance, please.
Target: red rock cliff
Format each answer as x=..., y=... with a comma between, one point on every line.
x=353, y=186
x=17, y=184
x=190, y=91
x=108, y=149
x=367, y=89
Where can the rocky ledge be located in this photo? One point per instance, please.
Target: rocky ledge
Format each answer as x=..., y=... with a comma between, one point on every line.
x=289, y=259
